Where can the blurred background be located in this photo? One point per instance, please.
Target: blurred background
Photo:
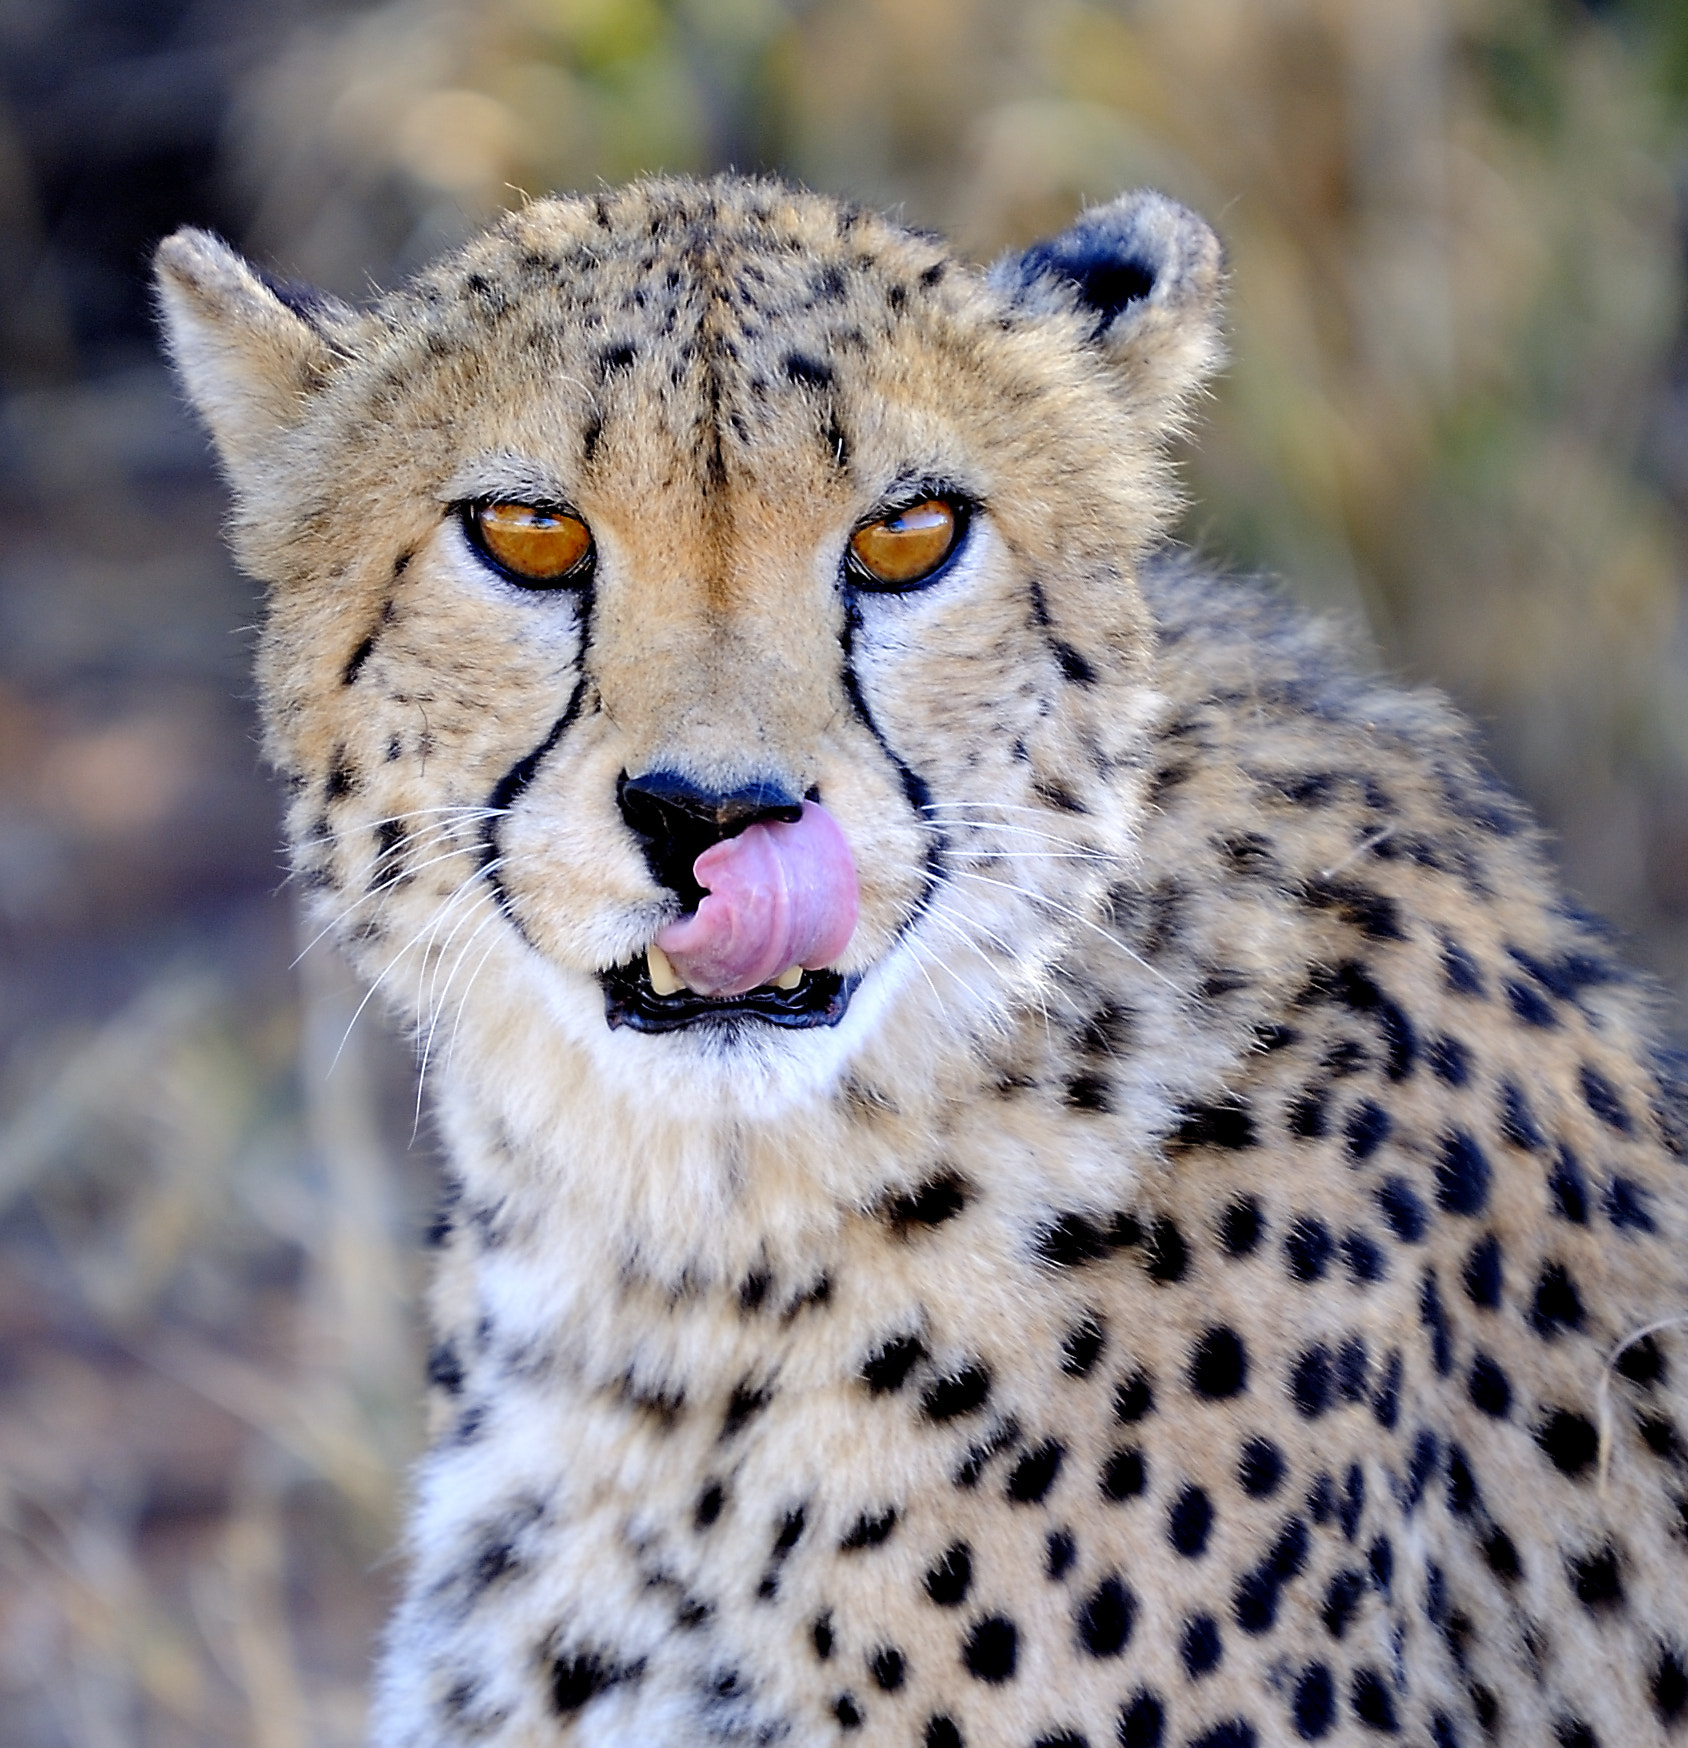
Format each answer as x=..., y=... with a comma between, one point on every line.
x=1458, y=415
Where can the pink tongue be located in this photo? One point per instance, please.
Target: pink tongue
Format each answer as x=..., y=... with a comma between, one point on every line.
x=776, y=896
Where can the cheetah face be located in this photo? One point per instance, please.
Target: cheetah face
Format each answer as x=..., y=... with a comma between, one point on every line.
x=704, y=625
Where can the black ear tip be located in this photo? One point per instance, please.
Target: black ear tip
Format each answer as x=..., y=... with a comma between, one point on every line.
x=1105, y=279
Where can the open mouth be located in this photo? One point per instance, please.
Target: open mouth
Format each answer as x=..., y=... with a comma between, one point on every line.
x=815, y=998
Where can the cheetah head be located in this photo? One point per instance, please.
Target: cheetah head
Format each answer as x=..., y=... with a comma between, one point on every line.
x=704, y=636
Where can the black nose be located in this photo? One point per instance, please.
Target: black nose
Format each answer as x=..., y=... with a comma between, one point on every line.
x=676, y=820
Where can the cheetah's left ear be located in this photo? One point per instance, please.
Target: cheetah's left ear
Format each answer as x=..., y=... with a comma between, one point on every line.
x=1148, y=273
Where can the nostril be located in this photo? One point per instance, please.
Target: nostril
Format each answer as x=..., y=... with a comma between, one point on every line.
x=677, y=819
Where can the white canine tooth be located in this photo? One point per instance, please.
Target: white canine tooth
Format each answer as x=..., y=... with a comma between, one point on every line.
x=789, y=978
x=665, y=980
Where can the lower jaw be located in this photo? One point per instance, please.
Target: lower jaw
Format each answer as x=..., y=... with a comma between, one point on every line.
x=820, y=999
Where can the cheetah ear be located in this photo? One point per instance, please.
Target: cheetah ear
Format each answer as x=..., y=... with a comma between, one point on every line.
x=1147, y=273
x=250, y=354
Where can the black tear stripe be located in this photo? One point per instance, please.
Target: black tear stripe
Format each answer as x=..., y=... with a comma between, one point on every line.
x=915, y=787
x=508, y=789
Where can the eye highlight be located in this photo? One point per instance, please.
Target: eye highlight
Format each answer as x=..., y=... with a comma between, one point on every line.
x=908, y=546
x=543, y=549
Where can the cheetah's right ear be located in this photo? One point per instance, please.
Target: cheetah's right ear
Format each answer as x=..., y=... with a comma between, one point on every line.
x=1148, y=273
x=247, y=356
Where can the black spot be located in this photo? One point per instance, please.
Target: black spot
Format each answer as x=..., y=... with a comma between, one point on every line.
x=869, y=1530
x=1531, y=1009
x=1081, y=1347
x=1489, y=1389
x=1071, y=1241
x=1569, y=1732
x=992, y=1650
x=1568, y=1441
x=1124, y=1475
x=1105, y=1618
x=847, y=1712
x=1483, y=1273
x=1201, y=1647
x=445, y=1369
x=807, y=372
x=342, y=779
x=1353, y=1501
x=1642, y=1362
x=1375, y=915
x=1310, y=1382
x=1142, y=1721
x=1602, y=1099
x=1240, y=1227
x=929, y=1204
x=887, y=1368
x=1363, y=1257
x=1626, y=1206
x=963, y=1392
x=1228, y=1124
x=746, y=1402
x=1426, y=1454
x=1089, y=1092
x=1255, y=1604
x=1462, y=1176
x=1668, y=1685
x=1569, y=1188
x=1060, y=1551
x=1190, y=1523
x=1219, y=1365
x=1435, y=1319
x=1260, y=1469
x=1380, y=1556
x=1386, y=1403
x=1307, y=1115
x=1517, y=1121
x=1004, y=1434
x=942, y=1733
x=1449, y=1060
x=355, y=661
x=1353, y=1364
x=1342, y=1599
x=1372, y=1703
x=1134, y=1398
x=1365, y=1131
x=1166, y=1255
x=709, y=1504
x=1064, y=1739
x=1557, y=1304
x=1401, y=1207
x=1460, y=969
x=1035, y=1473
x=790, y=1531
x=754, y=1289
x=1307, y=1247
x=1500, y=1555
x=1313, y=1709
x=1487, y=1708
x=578, y=1678
x=949, y=1581
x=887, y=1667
x=1072, y=664
x=614, y=358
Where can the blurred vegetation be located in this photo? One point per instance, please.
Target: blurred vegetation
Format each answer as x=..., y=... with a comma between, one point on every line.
x=1457, y=412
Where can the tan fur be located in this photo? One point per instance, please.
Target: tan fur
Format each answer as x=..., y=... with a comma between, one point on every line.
x=1203, y=986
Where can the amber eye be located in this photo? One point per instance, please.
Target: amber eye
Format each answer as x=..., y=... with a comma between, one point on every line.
x=907, y=547
x=543, y=547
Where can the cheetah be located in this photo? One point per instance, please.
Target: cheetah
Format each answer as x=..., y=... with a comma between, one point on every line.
x=1035, y=1160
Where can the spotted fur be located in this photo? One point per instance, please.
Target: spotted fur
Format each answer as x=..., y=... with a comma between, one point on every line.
x=1218, y=1285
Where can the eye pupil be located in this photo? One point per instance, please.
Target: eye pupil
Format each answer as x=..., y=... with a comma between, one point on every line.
x=907, y=546
x=533, y=545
